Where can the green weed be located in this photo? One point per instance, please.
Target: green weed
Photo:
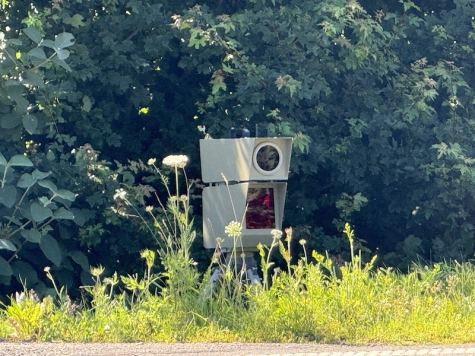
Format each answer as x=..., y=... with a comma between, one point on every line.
x=319, y=301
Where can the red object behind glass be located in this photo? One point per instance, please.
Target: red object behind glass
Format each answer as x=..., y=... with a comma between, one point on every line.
x=260, y=213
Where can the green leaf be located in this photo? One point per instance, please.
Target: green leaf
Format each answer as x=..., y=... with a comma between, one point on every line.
x=30, y=122
x=40, y=213
x=7, y=245
x=40, y=175
x=62, y=54
x=20, y=161
x=62, y=63
x=8, y=195
x=63, y=213
x=86, y=103
x=96, y=199
x=79, y=217
x=46, y=183
x=31, y=235
x=50, y=248
x=32, y=78
x=33, y=34
x=66, y=194
x=47, y=43
x=75, y=21
x=15, y=41
x=45, y=201
x=26, y=181
x=10, y=121
x=64, y=40
x=5, y=269
x=3, y=160
x=80, y=258
x=24, y=273
x=37, y=52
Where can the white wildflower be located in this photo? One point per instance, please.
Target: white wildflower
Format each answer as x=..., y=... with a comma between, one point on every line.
x=233, y=229
x=276, y=234
x=120, y=194
x=175, y=161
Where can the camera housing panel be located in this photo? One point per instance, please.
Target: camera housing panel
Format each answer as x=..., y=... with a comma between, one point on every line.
x=245, y=159
x=247, y=183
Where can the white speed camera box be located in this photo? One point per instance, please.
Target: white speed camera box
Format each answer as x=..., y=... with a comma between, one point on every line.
x=247, y=184
x=245, y=159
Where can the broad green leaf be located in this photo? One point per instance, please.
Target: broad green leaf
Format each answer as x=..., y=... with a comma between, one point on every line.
x=64, y=202
x=86, y=103
x=32, y=78
x=75, y=21
x=40, y=213
x=13, y=83
x=24, y=273
x=26, y=181
x=45, y=201
x=5, y=280
x=20, y=161
x=3, y=160
x=46, y=229
x=63, y=213
x=62, y=54
x=7, y=245
x=64, y=40
x=15, y=221
x=46, y=183
x=50, y=156
x=33, y=34
x=38, y=52
x=80, y=258
x=47, y=43
x=86, y=278
x=96, y=199
x=65, y=231
x=38, y=62
x=66, y=194
x=62, y=63
x=22, y=104
x=50, y=248
x=9, y=177
x=5, y=269
x=31, y=235
x=79, y=217
x=15, y=41
x=30, y=122
x=10, y=121
x=8, y=195
x=40, y=175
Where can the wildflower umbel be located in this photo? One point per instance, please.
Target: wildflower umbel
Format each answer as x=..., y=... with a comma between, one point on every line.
x=233, y=229
x=120, y=194
x=176, y=161
x=276, y=234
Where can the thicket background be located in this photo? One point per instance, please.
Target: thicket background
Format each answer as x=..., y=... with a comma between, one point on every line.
x=378, y=96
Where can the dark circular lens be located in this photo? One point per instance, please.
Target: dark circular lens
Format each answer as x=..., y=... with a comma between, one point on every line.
x=268, y=158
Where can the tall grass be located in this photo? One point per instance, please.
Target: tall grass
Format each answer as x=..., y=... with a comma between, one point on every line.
x=310, y=301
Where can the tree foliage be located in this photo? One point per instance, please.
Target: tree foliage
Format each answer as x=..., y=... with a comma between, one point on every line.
x=377, y=95
x=381, y=96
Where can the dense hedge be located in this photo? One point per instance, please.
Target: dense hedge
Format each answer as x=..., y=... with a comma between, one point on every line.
x=378, y=97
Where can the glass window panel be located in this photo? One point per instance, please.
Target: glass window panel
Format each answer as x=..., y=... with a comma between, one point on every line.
x=260, y=213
